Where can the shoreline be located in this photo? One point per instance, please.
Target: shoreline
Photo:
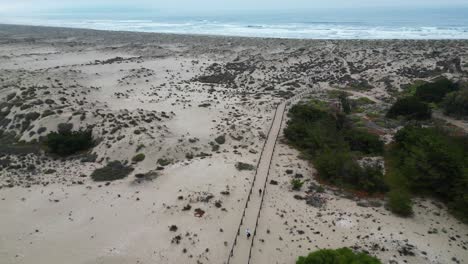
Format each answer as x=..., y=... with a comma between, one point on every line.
x=228, y=37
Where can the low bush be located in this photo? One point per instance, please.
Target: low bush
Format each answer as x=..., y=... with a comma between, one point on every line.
x=140, y=147
x=371, y=179
x=340, y=168
x=244, y=166
x=456, y=104
x=47, y=112
x=410, y=89
x=320, y=189
x=221, y=139
x=410, y=108
x=139, y=157
x=335, y=165
x=297, y=184
x=434, y=92
x=164, y=162
x=399, y=202
x=32, y=116
x=363, y=141
x=114, y=170
x=66, y=143
x=431, y=162
x=63, y=128
x=149, y=176
x=337, y=256
x=89, y=157
x=345, y=103
x=327, y=138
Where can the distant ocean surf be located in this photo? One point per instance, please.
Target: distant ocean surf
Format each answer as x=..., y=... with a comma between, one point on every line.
x=304, y=24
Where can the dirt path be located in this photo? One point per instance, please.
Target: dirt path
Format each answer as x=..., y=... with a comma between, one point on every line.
x=356, y=93
x=458, y=123
x=435, y=114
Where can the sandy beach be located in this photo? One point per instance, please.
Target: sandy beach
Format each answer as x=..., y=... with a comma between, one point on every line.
x=196, y=106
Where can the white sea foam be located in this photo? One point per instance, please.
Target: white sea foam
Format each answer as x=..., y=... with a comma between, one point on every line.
x=315, y=30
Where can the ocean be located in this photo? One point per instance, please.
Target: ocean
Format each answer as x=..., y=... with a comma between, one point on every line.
x=377, y=23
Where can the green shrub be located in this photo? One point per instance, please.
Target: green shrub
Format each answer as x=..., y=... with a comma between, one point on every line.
x=164, y=162
x=434, y=92
x=363, y=101
x=345, y=104
x=139, y=157
x=10, y=96
x=149, y=176
x=363, y=141
x=244, y=166
x=337, y=256
x=67, y=142
x=311, y=112
x=114, y=170
x=456, y=104
x=63, y=128
x=327, y=139
x=312, y=128
x=335, y=166
x=297, y=184
x=340, y=168
x=410, y=108
x=47, y=112
x=410, y=89
x=430, y=161
x=140, y=147
x=32, y=116
x=320, y=189
x=371, y=179
x=214, y=146
x=221, y=139
x=430, y=158
x=399, y=202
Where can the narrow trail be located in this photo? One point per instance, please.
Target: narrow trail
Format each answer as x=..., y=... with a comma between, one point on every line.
x=242, y=246
x=455, y=122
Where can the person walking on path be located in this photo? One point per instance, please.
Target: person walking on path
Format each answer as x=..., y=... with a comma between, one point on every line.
x=260, y=192
x=247, y=232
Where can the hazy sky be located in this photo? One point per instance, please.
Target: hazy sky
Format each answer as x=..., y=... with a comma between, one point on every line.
x=24, y=6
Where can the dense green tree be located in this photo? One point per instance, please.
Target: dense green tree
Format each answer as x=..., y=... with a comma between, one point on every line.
x=456, y=104
x=363, y=141
x=337, y=256
x=429, y=157
x=432, y=162
x=66, y=143
x=434, y=92
x=399, y=202
x=326, y=138
x=345, y=104
x=410, y=108
x=114, y=170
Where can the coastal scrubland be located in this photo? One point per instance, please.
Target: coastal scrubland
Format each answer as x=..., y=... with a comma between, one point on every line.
x=123, y=147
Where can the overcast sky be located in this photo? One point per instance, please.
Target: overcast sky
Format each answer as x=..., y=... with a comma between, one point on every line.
x=25, y=6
